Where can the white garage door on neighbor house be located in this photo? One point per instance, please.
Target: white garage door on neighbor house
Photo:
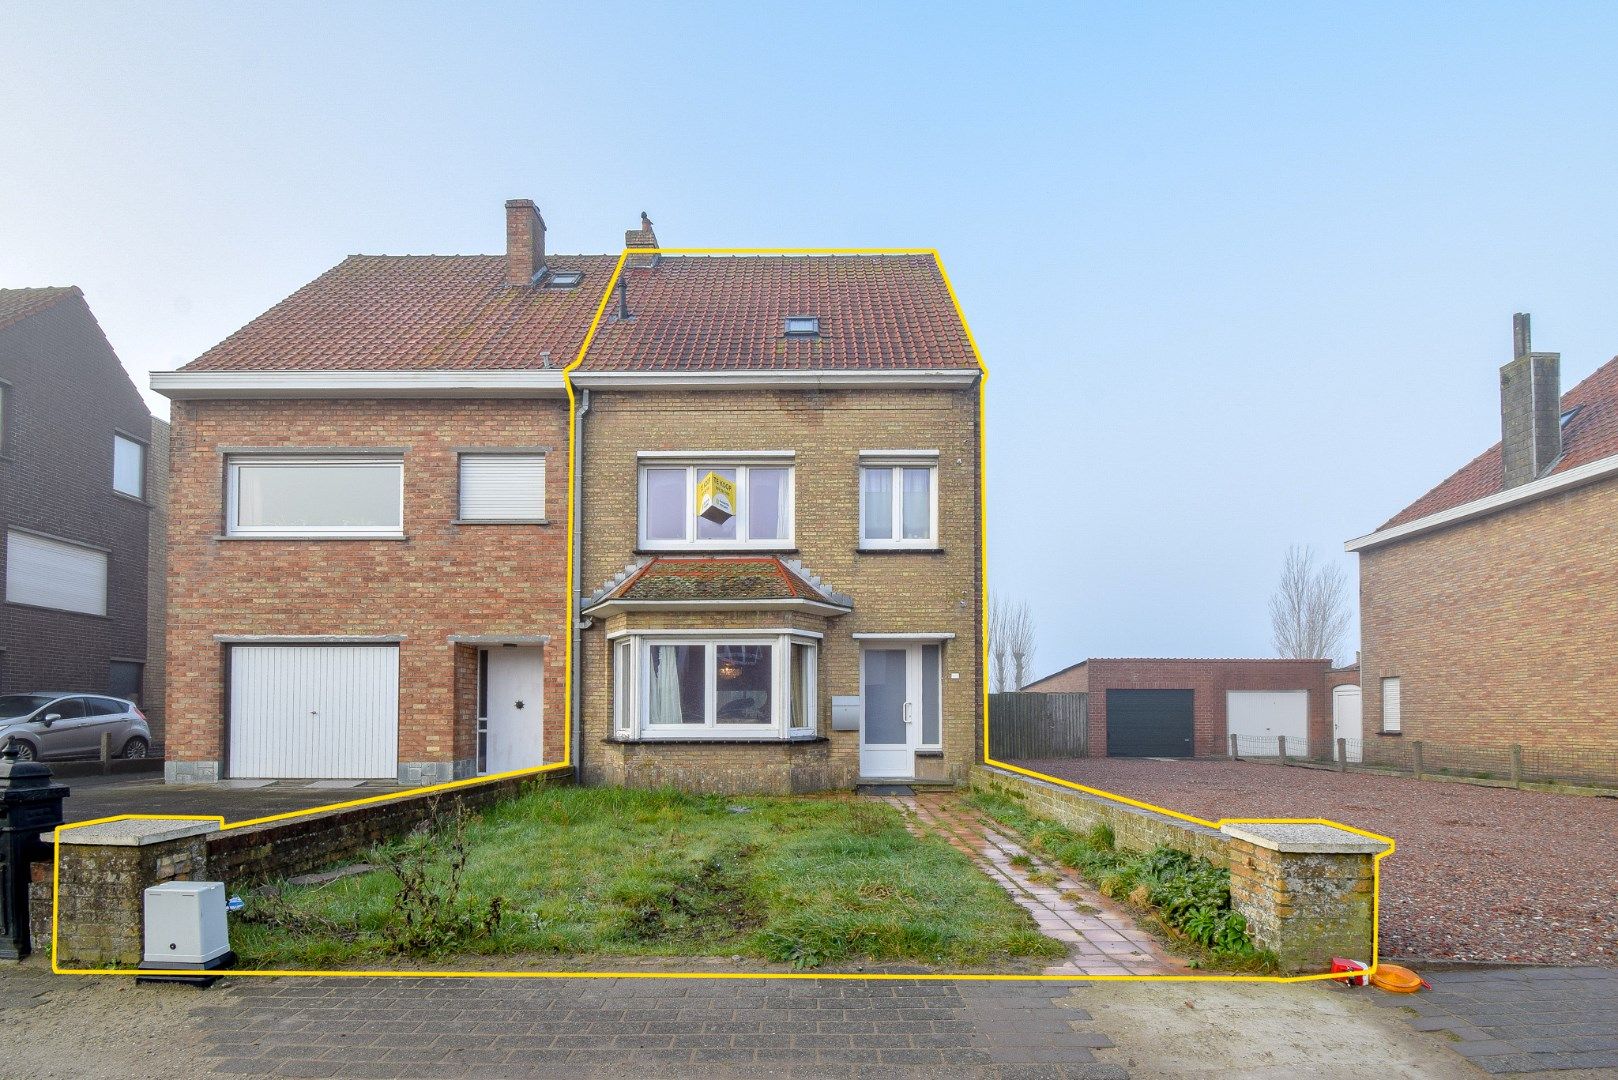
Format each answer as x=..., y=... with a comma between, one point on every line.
x=316, y=711
x=1266, y=714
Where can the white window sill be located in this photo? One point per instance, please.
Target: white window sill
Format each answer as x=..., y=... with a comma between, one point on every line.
x=774, y=547
x=898, y=549
x=500, y=521
x=308, y=536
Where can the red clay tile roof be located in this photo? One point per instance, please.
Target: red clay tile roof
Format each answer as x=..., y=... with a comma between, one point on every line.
x=18, y=304
x=716, y=578
x=392, y=312
x=1589, y=435
x=728, y=313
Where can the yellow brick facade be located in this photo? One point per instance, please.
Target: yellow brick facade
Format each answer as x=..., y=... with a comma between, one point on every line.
x=932, y=592
x=1501, y=630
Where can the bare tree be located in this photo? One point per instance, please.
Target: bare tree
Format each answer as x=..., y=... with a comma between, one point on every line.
x=1011, y=643
x=1309, y=610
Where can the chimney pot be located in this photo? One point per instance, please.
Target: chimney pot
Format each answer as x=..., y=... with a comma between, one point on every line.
x=525, y=242
x=1530, y=409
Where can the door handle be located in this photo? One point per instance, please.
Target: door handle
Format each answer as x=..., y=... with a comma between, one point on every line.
x=907, y=712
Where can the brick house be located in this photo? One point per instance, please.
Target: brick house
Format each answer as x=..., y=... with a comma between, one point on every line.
x=81, y=504
x=1489, y=606
x=1156, y=707
x=367, y=549
x=828, y=630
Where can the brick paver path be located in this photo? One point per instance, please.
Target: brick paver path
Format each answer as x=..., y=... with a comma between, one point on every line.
x=647, y=1028
x=1511, y=1020
x=1101, y=938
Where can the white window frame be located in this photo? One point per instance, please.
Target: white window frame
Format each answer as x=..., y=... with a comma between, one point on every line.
x=896, y=462
x=631, y=719
x=693, y=472
x=233, y=467
x=141, y=448
x=1397, y=726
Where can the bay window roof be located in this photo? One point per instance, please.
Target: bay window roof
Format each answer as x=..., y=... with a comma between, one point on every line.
x=717, y=581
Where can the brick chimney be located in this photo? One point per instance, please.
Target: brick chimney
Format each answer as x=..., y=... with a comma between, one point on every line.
x=1530, y=408
x=642, y=237
x=525, y=242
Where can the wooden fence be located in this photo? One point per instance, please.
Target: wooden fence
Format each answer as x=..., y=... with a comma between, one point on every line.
x=1038, y=726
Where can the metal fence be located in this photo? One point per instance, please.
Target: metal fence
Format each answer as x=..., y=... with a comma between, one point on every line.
x=1039, y=726
x=1418, y=757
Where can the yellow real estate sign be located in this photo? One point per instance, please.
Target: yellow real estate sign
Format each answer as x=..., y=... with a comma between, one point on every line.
x=716, y=498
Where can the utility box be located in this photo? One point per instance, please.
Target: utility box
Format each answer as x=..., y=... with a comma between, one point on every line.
x=185, y=926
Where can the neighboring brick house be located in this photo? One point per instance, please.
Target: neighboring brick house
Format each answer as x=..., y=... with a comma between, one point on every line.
x=1154, y=707
x=828, y=631
x=80, y=488
x=367, y=549
x=1489, y=606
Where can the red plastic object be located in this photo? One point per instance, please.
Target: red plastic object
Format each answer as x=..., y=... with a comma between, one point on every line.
x=1339, y=963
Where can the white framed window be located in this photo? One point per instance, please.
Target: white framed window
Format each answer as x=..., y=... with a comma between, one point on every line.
x=315, y=497
x=45, y=572
x=501, y=487
x=669, y=518
x=898, y=502
x=932, y=688
x=1391, y=721
x=753, y=686
x=128, y=467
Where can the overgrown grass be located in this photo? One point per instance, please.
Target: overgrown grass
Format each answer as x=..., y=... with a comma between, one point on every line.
x=1189, y=895
x=582, y=872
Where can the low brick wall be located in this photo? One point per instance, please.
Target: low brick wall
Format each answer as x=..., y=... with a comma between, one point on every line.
x=104, y=870
x=280, y=849
x=1132, y=827
x=1308, y=892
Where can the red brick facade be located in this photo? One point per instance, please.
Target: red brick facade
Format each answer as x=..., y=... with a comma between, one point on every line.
x=443, y=581
x=1501, y=629
x=1209, y=681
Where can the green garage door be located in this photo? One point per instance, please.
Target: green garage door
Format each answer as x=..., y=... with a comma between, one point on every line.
x=1149, y=723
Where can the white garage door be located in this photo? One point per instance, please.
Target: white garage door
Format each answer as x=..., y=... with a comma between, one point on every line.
x=1265, y=714
x=318, y=711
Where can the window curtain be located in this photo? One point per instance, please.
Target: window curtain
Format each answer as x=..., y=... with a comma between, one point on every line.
x=665, y=697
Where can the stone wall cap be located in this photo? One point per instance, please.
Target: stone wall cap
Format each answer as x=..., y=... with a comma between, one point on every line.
x=136, y=832
x=1315, y=838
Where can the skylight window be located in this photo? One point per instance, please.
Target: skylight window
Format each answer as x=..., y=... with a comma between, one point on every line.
x=803, y=326
x=1570, y=414
x=563, y=279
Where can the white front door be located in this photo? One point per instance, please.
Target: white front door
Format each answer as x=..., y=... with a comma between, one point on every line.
x=513, y=713
x=1345, y=719
x=900, y=697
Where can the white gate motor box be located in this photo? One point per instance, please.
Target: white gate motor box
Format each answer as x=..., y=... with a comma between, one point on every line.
x=185, y=926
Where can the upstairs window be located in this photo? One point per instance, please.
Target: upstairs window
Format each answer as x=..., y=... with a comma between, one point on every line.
x=563, y=279
x=498, y=488
x=803, y=326
x=128, y=467
x=898, y=502
x=42, y=571
x=671, y=517
x=315, y=498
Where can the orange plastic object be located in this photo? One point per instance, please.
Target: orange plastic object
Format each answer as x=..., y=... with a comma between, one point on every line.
x=1397, y=980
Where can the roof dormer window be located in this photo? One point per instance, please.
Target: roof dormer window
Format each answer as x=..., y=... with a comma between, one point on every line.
x=563, y=279
x=803, y=326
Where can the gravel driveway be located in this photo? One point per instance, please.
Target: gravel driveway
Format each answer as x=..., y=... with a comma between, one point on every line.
x=1480, y=873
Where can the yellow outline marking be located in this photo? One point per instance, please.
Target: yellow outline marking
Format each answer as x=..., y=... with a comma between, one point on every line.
x=567, y=736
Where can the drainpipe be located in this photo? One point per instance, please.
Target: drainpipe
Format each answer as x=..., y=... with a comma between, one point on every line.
x=576, y=624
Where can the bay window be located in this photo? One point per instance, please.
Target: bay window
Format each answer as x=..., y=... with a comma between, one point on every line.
x=670, y=518
x=713, y=687
x=314, y=497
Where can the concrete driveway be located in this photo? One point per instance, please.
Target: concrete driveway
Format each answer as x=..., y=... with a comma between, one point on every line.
x=237, y=800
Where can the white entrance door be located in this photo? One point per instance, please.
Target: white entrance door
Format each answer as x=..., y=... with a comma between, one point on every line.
x=314, y=711
x=888, y=728
x=514, y=708
x=1345, y=719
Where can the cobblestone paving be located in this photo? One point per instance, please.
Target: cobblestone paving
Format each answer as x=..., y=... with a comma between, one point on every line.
x=1516, y=1020
x=1101, y=938
x=647, y=1028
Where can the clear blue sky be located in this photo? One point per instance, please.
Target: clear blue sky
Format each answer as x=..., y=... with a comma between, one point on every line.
x=1243, y=273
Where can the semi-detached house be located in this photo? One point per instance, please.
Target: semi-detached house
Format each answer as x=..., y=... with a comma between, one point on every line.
x=369, y=545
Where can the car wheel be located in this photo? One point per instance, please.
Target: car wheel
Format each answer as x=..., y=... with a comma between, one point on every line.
x=25, y=750
x=135, y=748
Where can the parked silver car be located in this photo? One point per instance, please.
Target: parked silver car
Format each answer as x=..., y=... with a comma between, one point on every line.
x=57, y=725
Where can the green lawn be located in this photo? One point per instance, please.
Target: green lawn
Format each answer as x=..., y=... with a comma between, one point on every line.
x=581, y=872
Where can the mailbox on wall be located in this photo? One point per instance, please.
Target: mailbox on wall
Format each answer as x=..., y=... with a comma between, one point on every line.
x=845, y=713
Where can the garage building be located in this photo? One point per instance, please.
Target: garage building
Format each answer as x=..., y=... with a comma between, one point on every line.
x=1154, y=707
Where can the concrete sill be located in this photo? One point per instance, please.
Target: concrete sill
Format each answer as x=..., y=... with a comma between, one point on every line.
x=899, y=551
x=500, y=521
x=307, y=539
x=615, y=741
